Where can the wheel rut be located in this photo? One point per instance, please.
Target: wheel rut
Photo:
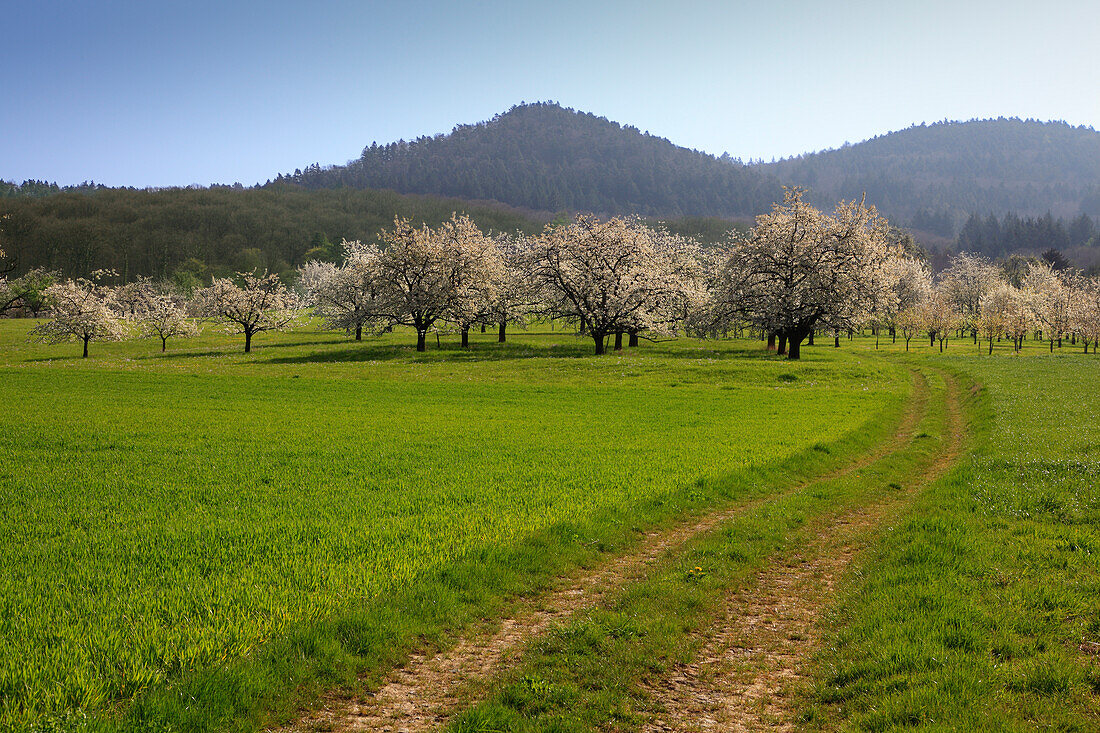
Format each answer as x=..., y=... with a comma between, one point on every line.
x=753, y=659
x=424, y=693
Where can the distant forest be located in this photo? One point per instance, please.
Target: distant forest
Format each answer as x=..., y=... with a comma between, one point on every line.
x=203, y=232
x=932, y=177
x=191, y=234
x=1013, y=234
x=548, y=158
x=1035, y=186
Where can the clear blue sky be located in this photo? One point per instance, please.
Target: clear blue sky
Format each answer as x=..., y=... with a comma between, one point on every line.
x=174, y=93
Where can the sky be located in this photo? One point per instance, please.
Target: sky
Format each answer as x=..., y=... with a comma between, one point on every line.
x=179, y=93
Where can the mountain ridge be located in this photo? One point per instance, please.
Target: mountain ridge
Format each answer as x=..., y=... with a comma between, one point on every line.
x=546, y=157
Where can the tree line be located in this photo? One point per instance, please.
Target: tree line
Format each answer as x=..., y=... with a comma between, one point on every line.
x=191, y=235
x=797, y=273
x=1012, y=234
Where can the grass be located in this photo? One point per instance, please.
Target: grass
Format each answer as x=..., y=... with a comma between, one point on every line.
x=979, y=609
x=205, y=539
x=982, y=610
x=598, y=671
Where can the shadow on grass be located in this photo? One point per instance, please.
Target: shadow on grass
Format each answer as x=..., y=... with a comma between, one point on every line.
x=257, y=348
x=449, y=352
x=526, y=345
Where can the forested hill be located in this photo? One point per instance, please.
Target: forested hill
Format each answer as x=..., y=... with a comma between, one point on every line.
x=934, y=176
x=190, y=234
x=549, y=158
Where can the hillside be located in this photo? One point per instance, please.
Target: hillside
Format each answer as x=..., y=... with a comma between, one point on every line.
x=549, y=158
x=990, y=182
x=934, y=176
x=201, y=232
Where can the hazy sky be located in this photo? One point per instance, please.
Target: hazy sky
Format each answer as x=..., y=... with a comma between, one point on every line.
x=173, y=93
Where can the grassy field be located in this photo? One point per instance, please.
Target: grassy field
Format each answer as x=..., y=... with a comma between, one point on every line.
x=981, y=611
x=195, y=538
x=976, y=607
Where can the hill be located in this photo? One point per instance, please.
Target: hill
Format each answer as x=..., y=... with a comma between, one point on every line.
x=991, y=182
x=549, y=158
x=933, y=176
x=200, y=232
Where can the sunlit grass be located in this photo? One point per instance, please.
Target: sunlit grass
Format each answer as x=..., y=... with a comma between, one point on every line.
x=982, y=610
x=163, y=515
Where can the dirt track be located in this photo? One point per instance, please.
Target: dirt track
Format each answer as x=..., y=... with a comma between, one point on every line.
x=423, y=694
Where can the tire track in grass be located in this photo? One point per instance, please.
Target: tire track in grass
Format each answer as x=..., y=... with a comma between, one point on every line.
x=422, y=694
x=743, y=677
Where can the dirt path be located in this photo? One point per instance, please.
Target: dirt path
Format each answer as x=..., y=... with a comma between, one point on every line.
x=745, y=672
x=422, y=695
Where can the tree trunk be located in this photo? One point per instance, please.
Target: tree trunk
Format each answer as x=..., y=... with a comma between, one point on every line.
x=247, y=342
x=466, y=337
x=598, y=339
x=633, y=338
x=502, y=329
x=421, y=340
x=941, y=346
x=932, y=339
x=618, y=341
x=782, y=344
x=810, y=339
x=483, y=328
x=163, y=344
x=359, y=333
x=1052, y=346
x=907, y=344
x=991, y=346
x=771, y=340
x=836, y=339
x=794, y=345
x=85, y=339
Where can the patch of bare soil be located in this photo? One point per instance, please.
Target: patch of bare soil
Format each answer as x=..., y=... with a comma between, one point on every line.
x=426, y=691
x=752, y=660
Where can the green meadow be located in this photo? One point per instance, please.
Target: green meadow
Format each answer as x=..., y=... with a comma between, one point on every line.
x=981, y=609
x=974, y=607
x=208, y=540
x=204, y=539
